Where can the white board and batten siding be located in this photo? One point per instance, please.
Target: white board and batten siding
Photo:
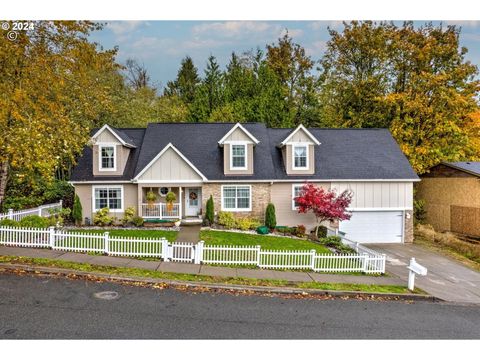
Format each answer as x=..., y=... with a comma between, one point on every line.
x=170, y=166
x=378, y=210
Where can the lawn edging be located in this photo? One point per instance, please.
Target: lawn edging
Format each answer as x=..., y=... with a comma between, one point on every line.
x=209, y=285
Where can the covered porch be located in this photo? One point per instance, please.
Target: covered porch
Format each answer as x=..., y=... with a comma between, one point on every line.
x=153, y=204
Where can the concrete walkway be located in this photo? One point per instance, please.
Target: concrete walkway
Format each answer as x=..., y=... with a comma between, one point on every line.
x=187, y=268
x=447, y=279
x=189, y=233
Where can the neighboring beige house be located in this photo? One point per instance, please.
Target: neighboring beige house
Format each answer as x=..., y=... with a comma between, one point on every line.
x=452, y=195
x=246, y=166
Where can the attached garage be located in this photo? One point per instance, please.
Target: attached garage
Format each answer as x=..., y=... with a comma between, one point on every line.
x=374, y=227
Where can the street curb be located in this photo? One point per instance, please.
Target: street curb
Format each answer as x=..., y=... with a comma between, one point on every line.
x=38, y=270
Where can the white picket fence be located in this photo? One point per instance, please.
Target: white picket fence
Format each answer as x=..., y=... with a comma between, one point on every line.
x=43, y=210
x=364, y=261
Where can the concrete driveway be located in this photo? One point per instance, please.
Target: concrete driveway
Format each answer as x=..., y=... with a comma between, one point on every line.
x=447, y=279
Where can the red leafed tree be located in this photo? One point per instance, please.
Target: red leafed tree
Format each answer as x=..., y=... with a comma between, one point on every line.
x=325, y=204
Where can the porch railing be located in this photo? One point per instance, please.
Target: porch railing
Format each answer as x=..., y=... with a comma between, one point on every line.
x=160, y=211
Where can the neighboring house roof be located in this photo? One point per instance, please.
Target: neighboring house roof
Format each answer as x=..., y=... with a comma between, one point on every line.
x=344, y=154
x=472, y=167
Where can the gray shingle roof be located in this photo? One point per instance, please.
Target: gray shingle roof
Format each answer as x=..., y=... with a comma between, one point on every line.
x=368, y=154
x=469, y=166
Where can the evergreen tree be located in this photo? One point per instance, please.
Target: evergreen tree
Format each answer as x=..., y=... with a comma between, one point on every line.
x=77, y=211
x=186, y=83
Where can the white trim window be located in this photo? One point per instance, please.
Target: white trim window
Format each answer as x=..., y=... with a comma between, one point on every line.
x=300, y=156
x=296, y=190
x=108, y=197
x=107, y=157
x=236, y=197
x=238, y=156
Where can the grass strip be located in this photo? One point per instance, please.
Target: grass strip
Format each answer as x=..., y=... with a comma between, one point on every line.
x=135, y=272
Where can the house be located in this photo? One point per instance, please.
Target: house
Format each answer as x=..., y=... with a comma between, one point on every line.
x=246, y=166
x=451, y=191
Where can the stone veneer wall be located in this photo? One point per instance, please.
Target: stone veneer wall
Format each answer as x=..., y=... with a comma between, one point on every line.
x=408, y=237
x=260, y=198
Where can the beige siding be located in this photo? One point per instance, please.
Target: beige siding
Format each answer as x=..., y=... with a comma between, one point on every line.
x=282, y=199
x=238, y=135
x=226, y=161
x=289, y=161
x=442, y=192
x=378, y=194
x=122, y=154
x=300, y=136
x=107, y=137
x=170, y=166
x=85, y=193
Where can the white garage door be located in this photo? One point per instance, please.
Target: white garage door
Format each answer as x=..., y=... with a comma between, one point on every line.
x=374, y=226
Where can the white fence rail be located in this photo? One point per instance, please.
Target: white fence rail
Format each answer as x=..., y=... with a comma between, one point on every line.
x=367, y=262
x=43, y=210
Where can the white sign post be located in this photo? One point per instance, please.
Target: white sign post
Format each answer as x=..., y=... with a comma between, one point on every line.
x=414, y=268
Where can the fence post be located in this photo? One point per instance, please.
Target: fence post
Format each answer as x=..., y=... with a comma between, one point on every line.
x=107, y=242
x=40, y=210
x=384, y=260
x=258, y=255
x=165, y=250
x=51, y=236
x=199, y=253
x=312, y=264
x=10, y=214
x=365, y=262
x=61, y=203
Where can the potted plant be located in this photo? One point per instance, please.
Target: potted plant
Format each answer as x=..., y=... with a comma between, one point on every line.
x=151, y=198
x=170, y=199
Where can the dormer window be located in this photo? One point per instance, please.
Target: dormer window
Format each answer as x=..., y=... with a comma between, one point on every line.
x=107, y=157
x=300, y=156
x=238, y=157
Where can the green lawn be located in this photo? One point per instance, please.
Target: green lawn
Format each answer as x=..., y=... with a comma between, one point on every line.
x=139, y=233
x=266, y=242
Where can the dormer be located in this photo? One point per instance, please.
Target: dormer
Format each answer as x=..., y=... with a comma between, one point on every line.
x=298, y=152
x=238, y=146
x=111, y=149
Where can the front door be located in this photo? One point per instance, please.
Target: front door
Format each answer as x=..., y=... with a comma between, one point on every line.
x=192, y=201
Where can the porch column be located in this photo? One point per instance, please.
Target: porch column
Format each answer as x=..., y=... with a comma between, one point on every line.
x=180, y=201
x=139, y=200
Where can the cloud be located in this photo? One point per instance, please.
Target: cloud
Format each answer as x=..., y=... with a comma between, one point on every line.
x=236, y=30
x=322, y=25
x=464, y=23
x=317, y=48
x=123, y=27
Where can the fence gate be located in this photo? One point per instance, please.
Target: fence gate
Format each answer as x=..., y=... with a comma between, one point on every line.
x=183, y=252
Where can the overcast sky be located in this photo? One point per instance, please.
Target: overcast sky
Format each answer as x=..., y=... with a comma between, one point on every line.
x=161, y=45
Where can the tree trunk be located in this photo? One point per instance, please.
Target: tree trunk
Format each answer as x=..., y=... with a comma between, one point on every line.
x=3, y=180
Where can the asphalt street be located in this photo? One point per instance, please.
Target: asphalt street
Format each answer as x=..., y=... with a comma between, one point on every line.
x=34, y=307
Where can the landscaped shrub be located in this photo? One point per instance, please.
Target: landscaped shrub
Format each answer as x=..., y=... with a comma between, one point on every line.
x=301, y=230
x=34, y=221
x=137, y=221
x=8, y=222
x=322, y=231
x=270, y=218
x=210, y=211
x=77, y=211
x=58, y=216
x=247, y=223
x=419, y=211
x=336, y=242
x=128, y=215
x=226, y=219
x=102, y=218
